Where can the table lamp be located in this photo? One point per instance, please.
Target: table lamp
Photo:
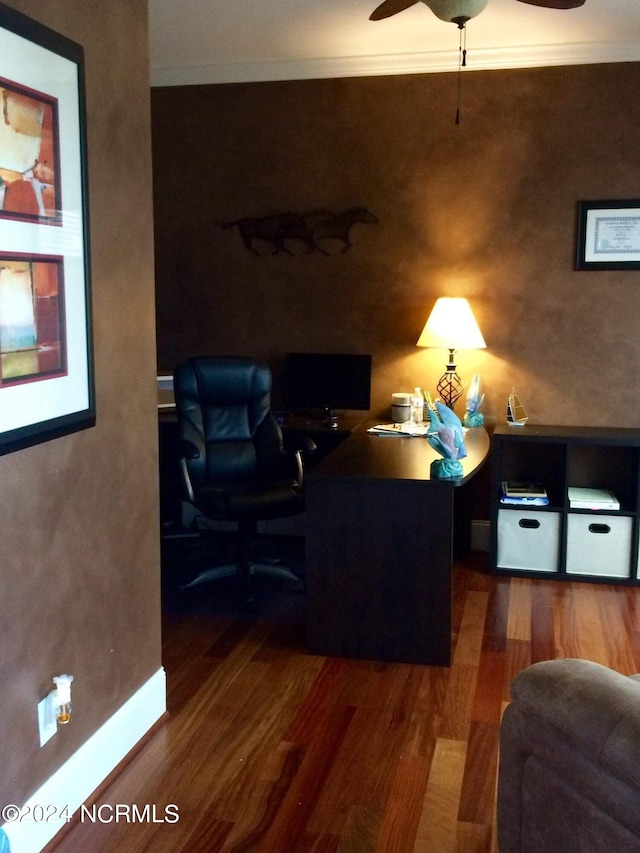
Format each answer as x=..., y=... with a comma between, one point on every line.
x=451, y=325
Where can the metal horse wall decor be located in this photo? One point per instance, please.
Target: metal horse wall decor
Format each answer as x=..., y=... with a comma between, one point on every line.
x=311, y=229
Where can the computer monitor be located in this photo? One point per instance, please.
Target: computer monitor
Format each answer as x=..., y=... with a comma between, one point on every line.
x=324, y=382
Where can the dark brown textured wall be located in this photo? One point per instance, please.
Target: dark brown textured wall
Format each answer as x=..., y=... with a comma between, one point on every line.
x=79, y=562
x=485, y=209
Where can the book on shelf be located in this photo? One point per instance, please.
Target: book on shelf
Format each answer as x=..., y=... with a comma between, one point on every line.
x=524, y=501
x=580, y=498
x=524, y=494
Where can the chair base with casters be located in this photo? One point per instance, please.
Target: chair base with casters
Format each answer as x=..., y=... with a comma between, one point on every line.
x=235, y=465
x=245, y=567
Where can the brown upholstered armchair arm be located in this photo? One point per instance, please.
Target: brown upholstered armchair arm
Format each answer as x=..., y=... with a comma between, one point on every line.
x=569, y=777
x=598, y=708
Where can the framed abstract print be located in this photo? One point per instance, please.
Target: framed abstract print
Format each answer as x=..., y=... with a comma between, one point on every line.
x=46, y=369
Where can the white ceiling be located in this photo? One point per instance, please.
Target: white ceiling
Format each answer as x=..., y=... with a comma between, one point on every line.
x=230, y=41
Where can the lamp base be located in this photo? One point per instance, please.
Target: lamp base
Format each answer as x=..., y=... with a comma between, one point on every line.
x=450, y=386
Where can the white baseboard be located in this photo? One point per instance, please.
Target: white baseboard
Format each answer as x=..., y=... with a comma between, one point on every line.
x=480, y=534
x=88, y=767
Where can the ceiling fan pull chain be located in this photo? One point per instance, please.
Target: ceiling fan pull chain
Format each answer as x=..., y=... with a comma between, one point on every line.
x=463, y=34
x=462, y=62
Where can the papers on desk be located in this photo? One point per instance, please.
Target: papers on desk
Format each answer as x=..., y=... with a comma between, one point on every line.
x=406, y=430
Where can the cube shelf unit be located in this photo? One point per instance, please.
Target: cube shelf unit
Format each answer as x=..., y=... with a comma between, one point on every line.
x=557, y=541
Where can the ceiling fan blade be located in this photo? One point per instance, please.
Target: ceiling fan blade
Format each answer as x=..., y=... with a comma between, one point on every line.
x=556, y=4
x=391, y=7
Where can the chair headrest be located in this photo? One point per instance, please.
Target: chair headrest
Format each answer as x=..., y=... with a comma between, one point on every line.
x=223, y=380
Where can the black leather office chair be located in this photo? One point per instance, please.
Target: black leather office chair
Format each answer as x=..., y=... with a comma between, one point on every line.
x=234, y=463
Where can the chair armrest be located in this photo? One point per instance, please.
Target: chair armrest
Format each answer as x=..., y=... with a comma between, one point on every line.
x=596, y=707
x=186, y=449
x=293, y=441
x=299, y=445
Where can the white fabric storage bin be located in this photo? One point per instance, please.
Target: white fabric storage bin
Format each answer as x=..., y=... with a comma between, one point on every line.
x=599, y=545
x=528, y=539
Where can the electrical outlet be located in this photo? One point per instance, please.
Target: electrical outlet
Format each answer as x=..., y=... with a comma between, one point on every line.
x=47, y=724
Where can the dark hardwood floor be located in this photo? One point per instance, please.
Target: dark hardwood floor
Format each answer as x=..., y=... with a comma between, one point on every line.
x=266, y=748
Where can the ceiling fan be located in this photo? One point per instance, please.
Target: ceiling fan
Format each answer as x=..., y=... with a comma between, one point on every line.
x=459, y=11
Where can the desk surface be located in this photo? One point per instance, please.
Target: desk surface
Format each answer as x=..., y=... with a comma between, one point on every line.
x=345, y=424
x=370, y=456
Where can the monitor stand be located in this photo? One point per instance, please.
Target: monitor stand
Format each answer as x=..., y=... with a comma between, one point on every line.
x=329, y=419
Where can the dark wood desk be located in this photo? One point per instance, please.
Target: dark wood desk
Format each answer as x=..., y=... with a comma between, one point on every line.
x=171, y=489
x=379, y=549
x=326, y=438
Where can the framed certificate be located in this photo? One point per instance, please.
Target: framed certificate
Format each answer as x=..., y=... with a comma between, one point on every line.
x=608, y=235
x=46, y=373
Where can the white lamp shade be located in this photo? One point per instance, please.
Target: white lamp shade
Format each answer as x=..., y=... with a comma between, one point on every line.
x=451, y=325
x=449, y=10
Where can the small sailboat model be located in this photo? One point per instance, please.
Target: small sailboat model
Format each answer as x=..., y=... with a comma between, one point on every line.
x=516, y=414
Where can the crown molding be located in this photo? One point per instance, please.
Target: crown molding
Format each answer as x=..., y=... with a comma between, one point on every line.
x=479, y=59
